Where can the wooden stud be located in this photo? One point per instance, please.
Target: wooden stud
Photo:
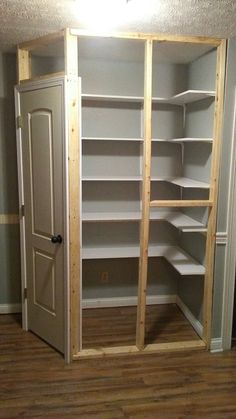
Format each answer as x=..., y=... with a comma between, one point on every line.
x=211, y=231
x=45, y=77
x=73, y=109
x=146, y=186
x=23, y=65
x=148, y=36
x=181, y=203
x=42, y=41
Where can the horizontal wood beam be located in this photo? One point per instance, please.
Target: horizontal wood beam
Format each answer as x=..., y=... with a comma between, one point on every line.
x=146, y=36
x=181, y=203
x=153, y=348
x=42, y=41
x=45, y=77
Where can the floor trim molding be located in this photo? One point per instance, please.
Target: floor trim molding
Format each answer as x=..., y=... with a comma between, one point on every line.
x=127, y=301
x=189, y=315
x=216, y=345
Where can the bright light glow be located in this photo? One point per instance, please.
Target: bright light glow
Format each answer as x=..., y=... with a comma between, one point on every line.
x=102, y=15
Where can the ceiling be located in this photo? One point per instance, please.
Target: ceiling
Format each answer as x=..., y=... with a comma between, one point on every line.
x=29, y=19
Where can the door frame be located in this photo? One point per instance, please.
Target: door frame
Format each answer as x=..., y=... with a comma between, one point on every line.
x=25, y=87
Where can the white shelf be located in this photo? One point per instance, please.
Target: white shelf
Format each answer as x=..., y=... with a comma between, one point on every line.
x=111, y=139
x=180, y=260
x=190, y=96
x=189, y=183
x=112, y=98
x=112, y=178
x=182, y=98
x=180, y=181
x=191, y=140
x=175, y=218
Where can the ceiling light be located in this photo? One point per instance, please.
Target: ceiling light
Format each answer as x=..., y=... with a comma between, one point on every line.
x=100, y=14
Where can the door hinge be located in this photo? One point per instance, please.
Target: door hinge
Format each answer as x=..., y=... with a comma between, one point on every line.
x=22, y=211
x=25, y=293
x=19, y=121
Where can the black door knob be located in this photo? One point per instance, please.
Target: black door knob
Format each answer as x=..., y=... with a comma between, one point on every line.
x=56, y=239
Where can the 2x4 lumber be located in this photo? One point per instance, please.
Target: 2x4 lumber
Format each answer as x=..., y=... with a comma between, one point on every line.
x=134, y=350
x=146, y=186
x=23, y=65
x=148, y=36
x=210, y=241
x=42, y=41
x=45, y=77
x=74, y=166
x=181, y=203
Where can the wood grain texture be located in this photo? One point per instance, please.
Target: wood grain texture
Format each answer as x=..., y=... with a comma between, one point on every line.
x=36, y=383
x=211, y=230
x=146, y=191
x=181, y=203
x=23, y=65
x=116, y=326
x=149, y=36
x=74, y=169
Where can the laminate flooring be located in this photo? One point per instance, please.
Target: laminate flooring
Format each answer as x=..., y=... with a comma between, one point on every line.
x=117, y=326
x=35, y=382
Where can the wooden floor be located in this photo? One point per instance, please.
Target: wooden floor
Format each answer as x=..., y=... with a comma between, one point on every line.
x=36, y=383
x=117, y=326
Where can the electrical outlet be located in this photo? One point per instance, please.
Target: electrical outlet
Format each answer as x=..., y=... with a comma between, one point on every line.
x=104, y=278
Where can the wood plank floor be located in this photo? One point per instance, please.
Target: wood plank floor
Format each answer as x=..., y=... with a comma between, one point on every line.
x=36, y=383
x=117, y=326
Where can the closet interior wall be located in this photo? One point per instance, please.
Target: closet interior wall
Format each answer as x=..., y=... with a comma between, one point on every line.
x=149, y=124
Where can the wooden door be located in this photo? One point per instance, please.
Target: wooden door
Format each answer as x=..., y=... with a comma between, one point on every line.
x=42, y=136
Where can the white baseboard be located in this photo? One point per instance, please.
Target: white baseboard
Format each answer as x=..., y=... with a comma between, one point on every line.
x=10, y=308
x=127, y=301
x=189, y=315
x=216, y=345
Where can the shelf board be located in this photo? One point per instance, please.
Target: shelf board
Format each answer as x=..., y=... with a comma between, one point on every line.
x=175, y=218
x=182, y=98
x=191, y=140
x=112, y=98
x=180, y=260
x=111, y=139
x=180, y=181
x=188, y=183
x=190, y=96
x=112, y=178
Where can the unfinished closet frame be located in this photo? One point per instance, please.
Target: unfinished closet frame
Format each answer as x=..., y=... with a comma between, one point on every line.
x=74, y=135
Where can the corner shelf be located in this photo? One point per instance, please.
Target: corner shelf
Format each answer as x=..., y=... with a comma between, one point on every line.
x=175, y=218
x=189, y=183
x=188, y=96
x=180, y=260
x=179, y=181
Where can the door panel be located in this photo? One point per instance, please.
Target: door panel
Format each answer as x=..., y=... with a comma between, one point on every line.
x=42, y=111
x=41, y=146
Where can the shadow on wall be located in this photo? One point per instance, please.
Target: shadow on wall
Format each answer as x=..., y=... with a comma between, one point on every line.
x=9, y=234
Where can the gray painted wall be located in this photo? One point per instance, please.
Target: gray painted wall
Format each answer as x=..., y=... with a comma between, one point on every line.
x=9, y=234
